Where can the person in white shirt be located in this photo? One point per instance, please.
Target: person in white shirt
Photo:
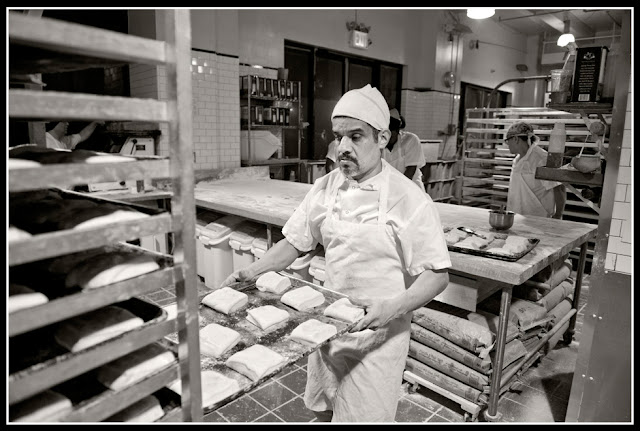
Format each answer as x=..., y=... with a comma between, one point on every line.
x=332, y=157
x=57, y=136
x=404, y=151
x=384, y=248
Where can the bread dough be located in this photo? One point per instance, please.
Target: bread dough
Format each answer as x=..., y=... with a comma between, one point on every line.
x=516, y=244
x=17, y=234
x=313, y=332
x=303, y=298
x=21, y=297
x=108, y=158
x=255, y=362
x=273, y=282
x=215, y=387
x=110, y=268
x=134, y=367
x=95, y=327
x=499, y=250
x=344, y=310
x=473, y=242
x=21, y=164
x=454, y=235
x=46, y=406
x=266, y=316
x=104, y=216
x=226, y=300
x=148, y=409
x=216, y=340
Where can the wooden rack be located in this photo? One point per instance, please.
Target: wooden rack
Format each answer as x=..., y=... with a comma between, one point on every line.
x=42, y=45
x=486, y=161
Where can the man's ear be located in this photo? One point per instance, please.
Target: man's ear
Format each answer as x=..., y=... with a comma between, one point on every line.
x=383, y=138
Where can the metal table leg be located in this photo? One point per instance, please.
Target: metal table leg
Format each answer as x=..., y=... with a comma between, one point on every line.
x=491, y=414
x=568, y=336
x=269, y=237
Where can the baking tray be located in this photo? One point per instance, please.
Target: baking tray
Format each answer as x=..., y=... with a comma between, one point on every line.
x=532, y=242
x=38, y=350
x=276, y=338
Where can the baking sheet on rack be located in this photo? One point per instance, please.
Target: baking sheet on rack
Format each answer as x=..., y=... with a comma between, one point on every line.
x=532, y=242
x=275, y=338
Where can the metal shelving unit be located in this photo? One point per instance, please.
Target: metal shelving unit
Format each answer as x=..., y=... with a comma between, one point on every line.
x=41, y=45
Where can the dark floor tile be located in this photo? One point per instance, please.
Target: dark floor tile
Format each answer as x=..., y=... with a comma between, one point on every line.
x=511, y=411
x=436, y=418
x=296, y=381
x=269, y=417
x=213, y=417
x=434, y=402
x=303, y=362
x=540, y=406
x=244, y=409
x=411, y=412
x=272, y=395
x=163, y=302
x=159, y=294
x=287, y=370
x=295, y=411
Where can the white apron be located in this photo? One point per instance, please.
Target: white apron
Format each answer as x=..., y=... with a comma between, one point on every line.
x=399, y=161
x=358, y=376
x=521, y=199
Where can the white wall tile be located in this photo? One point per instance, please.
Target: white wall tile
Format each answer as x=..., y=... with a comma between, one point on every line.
x=623, y=264
x=610, y=262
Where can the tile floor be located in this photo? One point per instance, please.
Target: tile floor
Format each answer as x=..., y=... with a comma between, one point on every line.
x=543, y=397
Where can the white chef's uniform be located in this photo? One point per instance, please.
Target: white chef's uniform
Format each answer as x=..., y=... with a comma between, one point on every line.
x=407, y=151
x=378, y=236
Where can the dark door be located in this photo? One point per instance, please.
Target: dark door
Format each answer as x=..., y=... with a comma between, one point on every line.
x=299, y=61
x=329, y=87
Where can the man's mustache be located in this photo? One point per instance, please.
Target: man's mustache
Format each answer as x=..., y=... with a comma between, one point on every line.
x=347, y=158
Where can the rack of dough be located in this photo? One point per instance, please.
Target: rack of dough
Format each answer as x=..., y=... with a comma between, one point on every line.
x=502, y=246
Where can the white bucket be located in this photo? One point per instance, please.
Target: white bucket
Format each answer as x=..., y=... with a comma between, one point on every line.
x=217, y=258
x=203, y=218
x=240, y=242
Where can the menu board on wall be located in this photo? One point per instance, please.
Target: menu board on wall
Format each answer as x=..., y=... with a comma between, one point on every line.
x=588, y=77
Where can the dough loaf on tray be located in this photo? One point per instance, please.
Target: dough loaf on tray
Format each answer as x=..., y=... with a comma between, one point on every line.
x=313, y=332
x=273, y=282
x=303, y=298
x=267, y=316
x=255, y=362
x=226, y=300
x=216, y=340
x=134, y=367
x=344, y=310
x=215, y=387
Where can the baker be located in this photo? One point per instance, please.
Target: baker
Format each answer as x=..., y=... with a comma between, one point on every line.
x=404, y=151
x=384, y=248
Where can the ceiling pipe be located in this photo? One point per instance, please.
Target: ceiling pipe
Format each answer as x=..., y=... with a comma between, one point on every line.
x=520, y=80
x=500, y=19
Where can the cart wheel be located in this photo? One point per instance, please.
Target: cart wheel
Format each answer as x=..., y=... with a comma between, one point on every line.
x=412, y=389
x=490, y=418
x=468, y=417
x=567, y=338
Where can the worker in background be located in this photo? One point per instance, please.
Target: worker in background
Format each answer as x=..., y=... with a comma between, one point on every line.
x=384, y=248
x=404, y=151
x=332, y=157
x=57, y=135
x=528, y=195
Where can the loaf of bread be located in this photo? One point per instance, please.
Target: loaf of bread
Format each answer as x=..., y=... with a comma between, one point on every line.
x=100, y=216
x=148, y=409
x=108, y=268
x=226, y=300
x=17, y=234
x=255, y=362
x=267, y=316
x=134, y=367
x=273, y=282
x=344, y=310
x=47, y=406
x=21, y=297
x=303, y=298
x=216, y=340
x=313, y=332
x=454, y=236
x=21, y=164
x=94, y=327
x=215, y=386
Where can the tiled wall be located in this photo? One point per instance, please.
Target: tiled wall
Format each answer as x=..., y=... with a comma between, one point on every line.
x=620, y=235
x=429, y=112
x=216, y=107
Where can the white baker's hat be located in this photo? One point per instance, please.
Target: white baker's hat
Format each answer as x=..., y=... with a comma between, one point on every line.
x=366, y=104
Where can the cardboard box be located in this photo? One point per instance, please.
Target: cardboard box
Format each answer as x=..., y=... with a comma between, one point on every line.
x=588, y=76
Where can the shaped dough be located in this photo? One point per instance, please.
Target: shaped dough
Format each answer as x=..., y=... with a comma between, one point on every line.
x=215, y=387
x=21, y=297
x=273, y=282
x=303, y=298
x=46, y=406
x=95, y=327
x=134, y=367
x=110, y=268
x=255, y=362
x=147, y=409
x=313, y=332
x=226, y=300
x=17, y=234
x=103, y=216
x=267, y=316
x=216, y=340
x=344, y=310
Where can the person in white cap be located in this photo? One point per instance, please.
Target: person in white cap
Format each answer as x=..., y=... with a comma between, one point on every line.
x=384, y=248
x=57, y=135
x=404, y=151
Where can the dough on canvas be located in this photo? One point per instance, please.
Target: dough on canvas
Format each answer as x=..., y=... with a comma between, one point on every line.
x=313, y=332
x=134, y=367
x=216, y=340
x=303, y=298
x=267, y=316
x=255, y=362
x=215, y=387
x=344, y=310
x=148, y=409
x=273, y=282
x=226, y=300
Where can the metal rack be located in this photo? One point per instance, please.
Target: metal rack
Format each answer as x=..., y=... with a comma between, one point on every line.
x=46, y=45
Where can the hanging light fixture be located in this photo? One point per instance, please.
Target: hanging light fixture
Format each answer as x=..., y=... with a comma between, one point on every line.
x=566, y=38
x=480, y=12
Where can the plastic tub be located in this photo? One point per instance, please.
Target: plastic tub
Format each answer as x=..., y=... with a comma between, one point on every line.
x=241, y=240
x=218, y=257
x=203, y=218
x=316, y=269
x=259, y=245
x=300, y=267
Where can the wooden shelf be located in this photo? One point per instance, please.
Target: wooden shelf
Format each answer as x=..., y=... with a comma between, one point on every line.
x=569, y=176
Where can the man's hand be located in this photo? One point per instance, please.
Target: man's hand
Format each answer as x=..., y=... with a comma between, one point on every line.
x=378, y=312
x=239, y=275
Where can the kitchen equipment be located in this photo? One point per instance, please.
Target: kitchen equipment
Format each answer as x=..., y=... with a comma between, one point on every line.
x=132, y=146
x=500, y=219
x=471, y=231
x=586, y=163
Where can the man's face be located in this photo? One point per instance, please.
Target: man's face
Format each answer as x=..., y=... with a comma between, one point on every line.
x=358, y=151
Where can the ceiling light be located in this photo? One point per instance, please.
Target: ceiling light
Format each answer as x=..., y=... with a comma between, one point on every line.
x=566, y=38
x=480, y=12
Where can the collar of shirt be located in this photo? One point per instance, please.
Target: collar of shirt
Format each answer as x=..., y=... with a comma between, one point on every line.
x=372, y=184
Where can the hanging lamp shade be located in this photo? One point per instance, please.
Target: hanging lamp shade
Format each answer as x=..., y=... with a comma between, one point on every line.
x=567, y=37
x=480, y=12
